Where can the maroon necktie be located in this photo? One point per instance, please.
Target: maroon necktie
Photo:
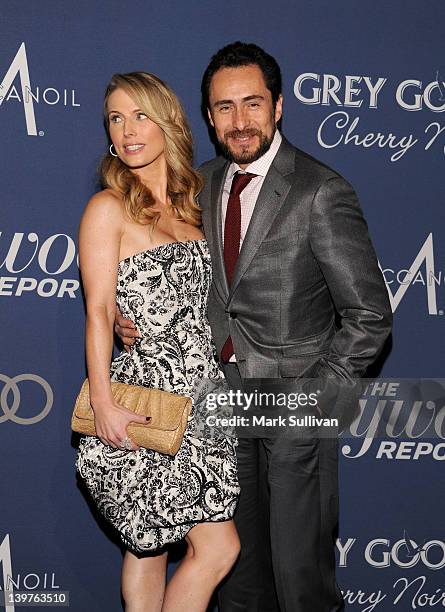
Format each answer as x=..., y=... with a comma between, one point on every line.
x=232, y=235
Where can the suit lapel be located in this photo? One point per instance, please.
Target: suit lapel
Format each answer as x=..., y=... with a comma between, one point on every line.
x=270, y=199
x=217, y=187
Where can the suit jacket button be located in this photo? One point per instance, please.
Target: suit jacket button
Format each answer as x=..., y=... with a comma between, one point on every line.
x=232, y=315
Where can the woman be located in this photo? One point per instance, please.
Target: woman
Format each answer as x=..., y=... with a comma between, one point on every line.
x=140, y=245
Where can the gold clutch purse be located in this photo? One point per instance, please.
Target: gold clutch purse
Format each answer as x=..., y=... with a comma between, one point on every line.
x=169, y=413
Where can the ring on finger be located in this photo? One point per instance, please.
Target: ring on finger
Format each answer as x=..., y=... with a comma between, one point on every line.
x=126, y=443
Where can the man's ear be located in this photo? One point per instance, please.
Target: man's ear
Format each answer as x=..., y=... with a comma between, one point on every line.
x=209, y=115
x=279, y=108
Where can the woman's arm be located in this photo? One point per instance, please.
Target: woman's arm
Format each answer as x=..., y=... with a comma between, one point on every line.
x=99, y=244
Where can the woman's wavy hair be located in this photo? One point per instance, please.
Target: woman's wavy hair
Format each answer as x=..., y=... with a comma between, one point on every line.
x=163, y=107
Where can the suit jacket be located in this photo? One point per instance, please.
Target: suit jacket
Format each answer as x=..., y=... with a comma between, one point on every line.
x=307, y=297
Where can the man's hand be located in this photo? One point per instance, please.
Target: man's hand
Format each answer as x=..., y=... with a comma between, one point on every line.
x=126, y=330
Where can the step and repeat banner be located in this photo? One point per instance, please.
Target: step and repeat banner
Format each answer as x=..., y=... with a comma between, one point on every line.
x=364, y=91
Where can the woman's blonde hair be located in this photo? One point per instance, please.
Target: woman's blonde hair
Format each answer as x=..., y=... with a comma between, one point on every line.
x=162, y=106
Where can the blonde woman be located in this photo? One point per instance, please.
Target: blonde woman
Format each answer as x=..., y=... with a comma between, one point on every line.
x=141, y=246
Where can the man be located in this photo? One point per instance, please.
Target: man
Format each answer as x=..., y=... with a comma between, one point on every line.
x=297, y=292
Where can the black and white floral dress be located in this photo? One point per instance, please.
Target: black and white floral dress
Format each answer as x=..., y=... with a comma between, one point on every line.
x=150, y=498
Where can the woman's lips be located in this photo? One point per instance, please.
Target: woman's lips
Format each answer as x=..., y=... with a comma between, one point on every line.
x=133, y=149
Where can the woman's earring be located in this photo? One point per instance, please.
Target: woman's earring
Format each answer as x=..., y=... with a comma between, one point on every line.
x=111, y=152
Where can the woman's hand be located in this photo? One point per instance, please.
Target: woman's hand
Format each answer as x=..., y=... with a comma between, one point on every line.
x=126, y=330
x=111, y=420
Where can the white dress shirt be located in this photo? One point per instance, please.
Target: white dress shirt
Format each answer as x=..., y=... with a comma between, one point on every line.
x=250, y=193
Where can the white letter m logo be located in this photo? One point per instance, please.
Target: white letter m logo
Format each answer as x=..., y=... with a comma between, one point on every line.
x=5, y=560
x=426, y=254
x=20, y=64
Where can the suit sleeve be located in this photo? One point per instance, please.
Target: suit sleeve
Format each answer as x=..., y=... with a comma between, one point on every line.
x=341, y=245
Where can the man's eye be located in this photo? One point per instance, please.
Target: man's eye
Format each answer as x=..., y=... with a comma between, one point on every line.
x=224, y=109
x=254, y=105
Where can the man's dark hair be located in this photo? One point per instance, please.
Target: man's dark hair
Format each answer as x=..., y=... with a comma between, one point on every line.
x=243, y=54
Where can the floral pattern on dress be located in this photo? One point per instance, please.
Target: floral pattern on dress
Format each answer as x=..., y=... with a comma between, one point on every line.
x=154, y=499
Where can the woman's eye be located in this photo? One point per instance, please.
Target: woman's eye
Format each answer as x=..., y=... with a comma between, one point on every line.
x=113, y=117
x=142, y=114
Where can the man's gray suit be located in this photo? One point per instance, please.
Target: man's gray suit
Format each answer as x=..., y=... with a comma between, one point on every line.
x=307, y=300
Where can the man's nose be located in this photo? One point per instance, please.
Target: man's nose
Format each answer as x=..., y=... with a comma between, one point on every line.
x=240, y=119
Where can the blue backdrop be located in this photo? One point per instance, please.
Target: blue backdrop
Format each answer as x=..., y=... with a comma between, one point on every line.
x=364, y=92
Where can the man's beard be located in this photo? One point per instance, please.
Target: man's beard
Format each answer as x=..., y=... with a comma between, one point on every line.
x=246, y=157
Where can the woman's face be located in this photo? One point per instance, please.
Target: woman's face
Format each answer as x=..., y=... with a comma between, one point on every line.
x=138, y=141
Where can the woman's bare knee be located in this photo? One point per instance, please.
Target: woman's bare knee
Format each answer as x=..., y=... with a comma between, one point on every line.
x=215, y=546
x=230, y=552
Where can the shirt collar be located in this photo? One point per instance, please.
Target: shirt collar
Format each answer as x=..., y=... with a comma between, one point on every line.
x=262, y=164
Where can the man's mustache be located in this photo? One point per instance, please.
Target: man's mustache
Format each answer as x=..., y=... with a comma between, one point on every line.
x=243, y=133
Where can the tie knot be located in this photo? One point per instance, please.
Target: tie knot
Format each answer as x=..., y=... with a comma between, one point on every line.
x=240, y=181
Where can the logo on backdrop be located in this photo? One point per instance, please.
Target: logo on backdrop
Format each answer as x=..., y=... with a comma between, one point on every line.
x=11, y=399
x=411, y=592
x=404, y=552
x=30, y=258
x=31, y=582
x=421, y=273
x=399, y=420
x=340, y=128
x=27, y=95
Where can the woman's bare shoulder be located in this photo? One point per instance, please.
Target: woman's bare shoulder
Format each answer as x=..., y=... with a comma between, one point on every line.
x=107, y=198
x=106, y=202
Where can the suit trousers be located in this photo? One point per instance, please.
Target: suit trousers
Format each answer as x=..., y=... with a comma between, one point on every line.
x=287, y=520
